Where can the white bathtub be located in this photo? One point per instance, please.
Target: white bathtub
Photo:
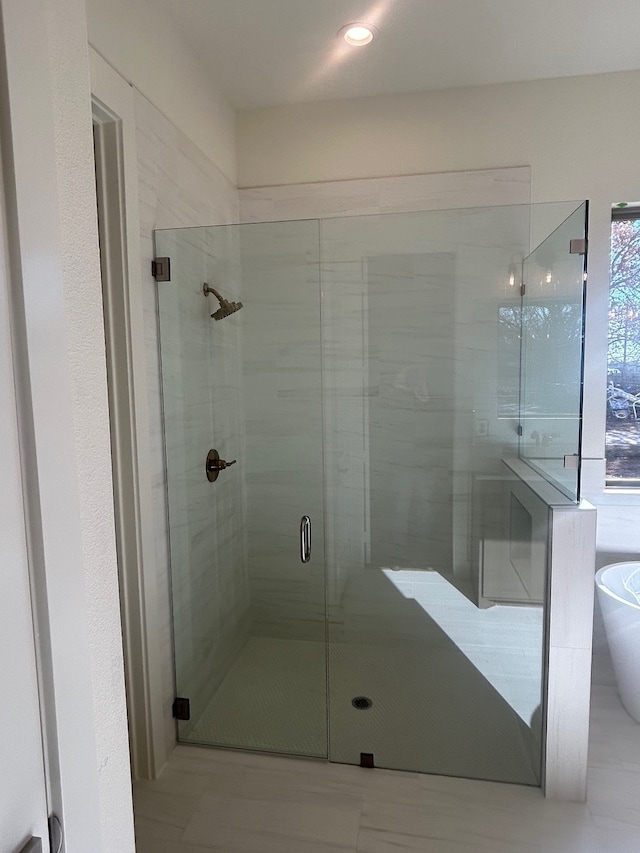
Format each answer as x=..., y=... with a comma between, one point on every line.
x=618, y=587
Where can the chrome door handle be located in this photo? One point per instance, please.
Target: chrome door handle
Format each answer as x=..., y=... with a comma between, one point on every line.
x=305, y=538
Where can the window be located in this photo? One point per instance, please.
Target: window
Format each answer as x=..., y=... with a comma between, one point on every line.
x=623, y=376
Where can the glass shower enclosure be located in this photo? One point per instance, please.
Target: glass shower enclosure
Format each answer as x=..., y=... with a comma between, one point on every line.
x=340, y=397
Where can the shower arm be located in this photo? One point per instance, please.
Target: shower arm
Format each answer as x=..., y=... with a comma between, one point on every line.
x=207, y=289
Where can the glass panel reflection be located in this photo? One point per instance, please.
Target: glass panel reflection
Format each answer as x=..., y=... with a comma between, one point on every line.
x=371, y=381
x=248, y=616
x=551, y=368
x=435, y=577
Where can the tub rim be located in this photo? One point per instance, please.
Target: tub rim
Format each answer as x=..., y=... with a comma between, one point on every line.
x=609, y=592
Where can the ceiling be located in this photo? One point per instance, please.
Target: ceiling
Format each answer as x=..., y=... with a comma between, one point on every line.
x=268, y=52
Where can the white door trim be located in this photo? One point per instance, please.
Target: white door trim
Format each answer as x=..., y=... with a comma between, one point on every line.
x=117, y=177
x=62, y=385
x=24, y=782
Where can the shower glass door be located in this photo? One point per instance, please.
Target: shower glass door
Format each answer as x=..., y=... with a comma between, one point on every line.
x=428, y=670
x=364, y=578
x=248, y=614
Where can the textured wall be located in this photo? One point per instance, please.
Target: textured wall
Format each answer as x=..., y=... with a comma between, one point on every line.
x=179, y=186
x=65, y=452
x=80, y=269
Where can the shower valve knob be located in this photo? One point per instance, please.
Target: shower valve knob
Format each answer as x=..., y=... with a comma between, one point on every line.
x=215, y=464
x=222, y=464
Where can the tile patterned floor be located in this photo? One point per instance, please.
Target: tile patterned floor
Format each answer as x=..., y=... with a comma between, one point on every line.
x=232, y=802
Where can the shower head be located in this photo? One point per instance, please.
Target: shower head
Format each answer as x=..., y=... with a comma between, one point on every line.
x=225, y=308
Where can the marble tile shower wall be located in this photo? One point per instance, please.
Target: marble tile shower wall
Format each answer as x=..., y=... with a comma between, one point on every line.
x=398, y=194
x=411, y=356
x=346, y=390
x=483, y=435
x=283, y=408
x=377, y=439
x=350, y=385
x=377, y=336
x=179, y=187
x=410, y=359
x=202, y=409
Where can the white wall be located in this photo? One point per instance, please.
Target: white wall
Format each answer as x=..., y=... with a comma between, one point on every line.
x=170, y=183
x=561, y=128
x=142, y=41
x=64, y=423
x=85, y=354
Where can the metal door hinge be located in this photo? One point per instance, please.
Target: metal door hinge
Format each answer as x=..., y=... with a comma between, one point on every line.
x=572, y=461
x=578, y=246
x=519, y=429
x=181, y=709
x=161, y=269
x=523, y=290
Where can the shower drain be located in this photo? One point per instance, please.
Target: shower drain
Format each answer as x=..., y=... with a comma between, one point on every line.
x=361, y=703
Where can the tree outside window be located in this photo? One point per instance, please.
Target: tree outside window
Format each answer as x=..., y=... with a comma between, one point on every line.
x=623, y=385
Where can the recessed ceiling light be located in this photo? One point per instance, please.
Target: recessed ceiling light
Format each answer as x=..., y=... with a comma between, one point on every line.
x=357, y=34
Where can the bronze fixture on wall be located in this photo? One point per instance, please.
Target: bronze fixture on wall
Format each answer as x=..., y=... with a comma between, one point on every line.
x=214, y=465
x=225, y=308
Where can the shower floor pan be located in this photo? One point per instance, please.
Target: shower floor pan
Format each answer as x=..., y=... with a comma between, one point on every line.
x=432, y=711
